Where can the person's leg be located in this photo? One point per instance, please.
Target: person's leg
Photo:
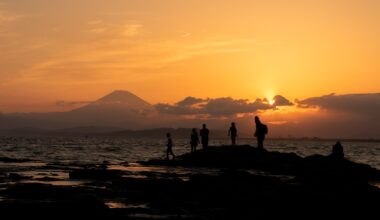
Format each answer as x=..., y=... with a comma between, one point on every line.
x=167, y=154
x=260, y=143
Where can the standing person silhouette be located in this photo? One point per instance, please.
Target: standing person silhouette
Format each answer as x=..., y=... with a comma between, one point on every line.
x=232, y=132
x=204, y=136
x=194, y=140
x=261, y=131
x=169, y=146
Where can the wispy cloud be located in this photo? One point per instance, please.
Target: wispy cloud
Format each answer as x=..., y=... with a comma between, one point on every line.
x=63, y=103
x=122, y=53
x=131, y=30
x=97, y=30
x=186, y=35
x=128, y=29
x=95, y=22
x=6, y=16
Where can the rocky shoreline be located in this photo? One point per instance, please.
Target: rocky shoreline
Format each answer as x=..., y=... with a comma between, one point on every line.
x=249, y=184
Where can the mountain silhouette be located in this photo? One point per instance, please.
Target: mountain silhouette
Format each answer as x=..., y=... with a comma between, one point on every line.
x=117, y=109
x=118, y=101
x=122, y=97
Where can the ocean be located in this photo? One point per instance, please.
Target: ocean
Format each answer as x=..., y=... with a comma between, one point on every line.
x=48, y=160
x=96, y=150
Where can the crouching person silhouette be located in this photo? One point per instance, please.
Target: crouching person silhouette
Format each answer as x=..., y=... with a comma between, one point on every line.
x=337, y=151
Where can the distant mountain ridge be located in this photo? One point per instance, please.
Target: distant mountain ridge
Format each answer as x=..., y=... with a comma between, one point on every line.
x=117, y=109
x=91, y=131
x=125, y=98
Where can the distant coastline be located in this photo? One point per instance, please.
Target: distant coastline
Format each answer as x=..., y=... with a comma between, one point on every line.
x=94, y=131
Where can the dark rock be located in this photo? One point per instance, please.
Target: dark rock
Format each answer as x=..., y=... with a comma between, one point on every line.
x=95, y=174
x=313, y=168
x=13, y=160
x=17, y=177
x=37, y=191
x=40, y=200
x=237, y=157
x=331, y=171
x=47, y=179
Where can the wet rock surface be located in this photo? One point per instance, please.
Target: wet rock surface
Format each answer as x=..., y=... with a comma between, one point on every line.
x=315, y=187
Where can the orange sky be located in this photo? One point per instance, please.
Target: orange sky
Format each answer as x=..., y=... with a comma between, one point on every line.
x=165, y=50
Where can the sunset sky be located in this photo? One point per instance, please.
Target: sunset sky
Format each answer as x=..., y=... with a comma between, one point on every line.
x=165, y=50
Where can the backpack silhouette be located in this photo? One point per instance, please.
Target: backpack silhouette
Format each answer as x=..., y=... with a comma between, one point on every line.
x=265, y=128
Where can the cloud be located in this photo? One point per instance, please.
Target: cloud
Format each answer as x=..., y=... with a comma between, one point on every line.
x=281, y=101
x=188, y=101
x=62, y=103
x=131, y=30
x=127, y=29
x=186, y=35
x=368, y=104
x=95, y=22
x=7, y=16
x=117, y=53
x=217, y=107
x=97, y=30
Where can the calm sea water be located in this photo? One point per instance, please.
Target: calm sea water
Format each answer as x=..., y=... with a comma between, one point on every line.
x=81, y=150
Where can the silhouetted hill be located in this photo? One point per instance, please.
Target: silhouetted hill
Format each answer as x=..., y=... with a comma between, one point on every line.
x=161, y=132
x=117, y=109
x=89, y=130
x=124, y=98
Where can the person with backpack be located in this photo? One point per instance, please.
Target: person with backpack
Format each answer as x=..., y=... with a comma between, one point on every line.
x=261, y=131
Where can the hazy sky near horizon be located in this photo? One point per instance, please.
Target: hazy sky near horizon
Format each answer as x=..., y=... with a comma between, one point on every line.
x=165, y=50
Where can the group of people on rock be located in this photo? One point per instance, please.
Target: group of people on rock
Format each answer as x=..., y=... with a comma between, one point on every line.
x=261, y=131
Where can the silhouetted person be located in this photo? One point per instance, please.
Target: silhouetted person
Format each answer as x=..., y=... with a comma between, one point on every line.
x=194, y=140
x=204, y=136
x=169, y=145
x=232, y=132
x=337, y=151
x=261, y=131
